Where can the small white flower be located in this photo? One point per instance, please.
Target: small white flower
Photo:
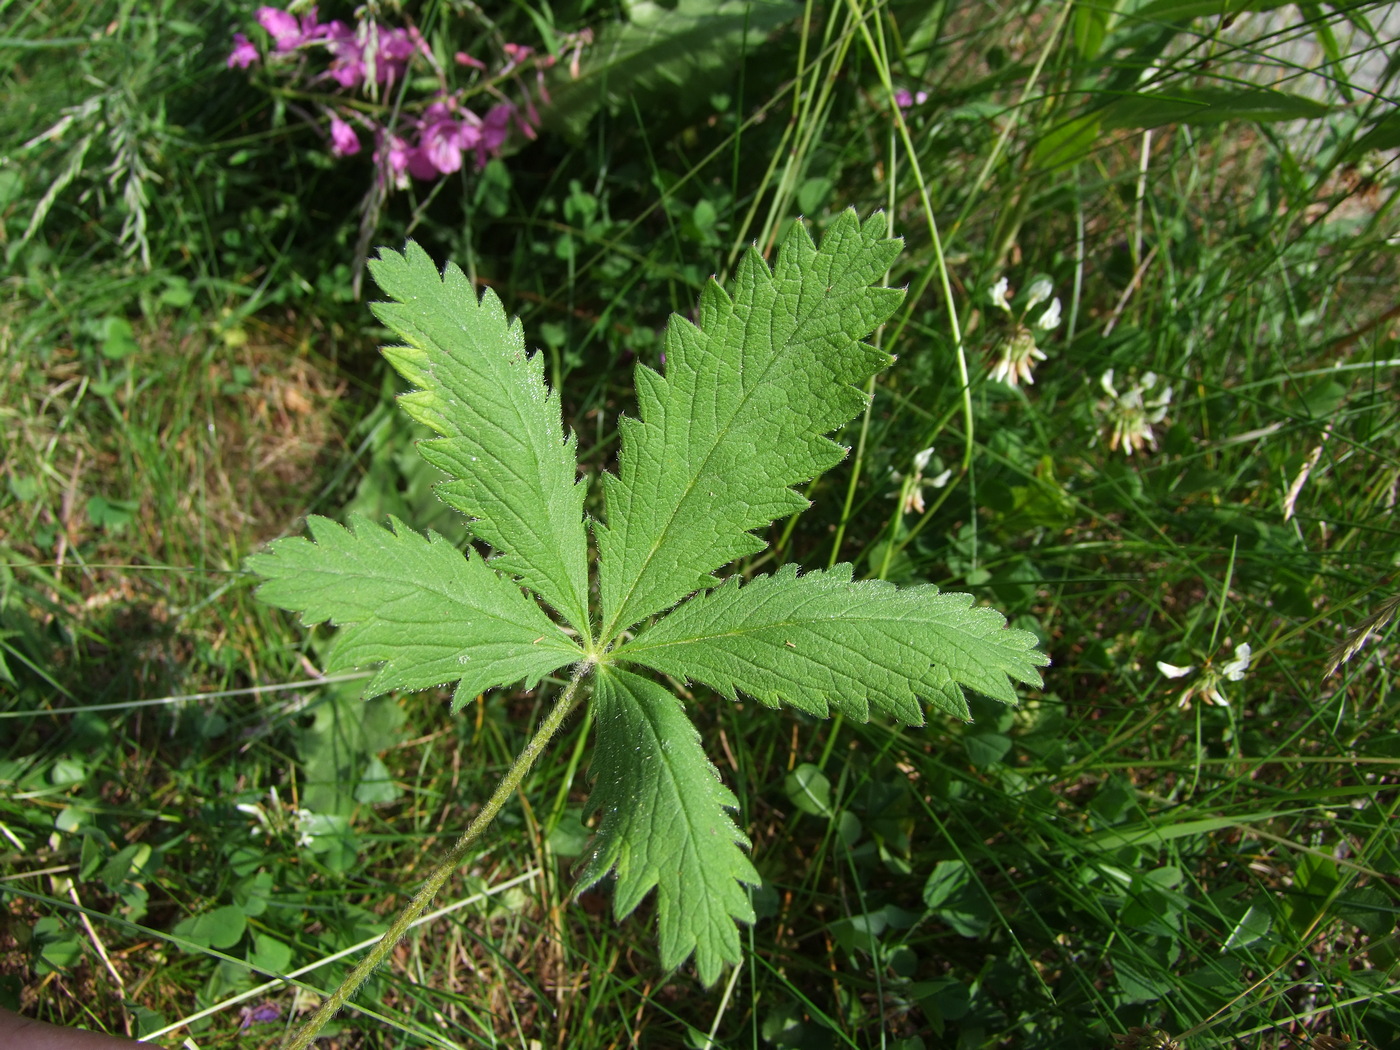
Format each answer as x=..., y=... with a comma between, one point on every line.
x=911, y=491
x=1038, y=292
x=305, y=822
x=999, y=294
x=1016, y=358
x=1128, y=418
x=1206, y=685
x=260, y=821
x=1051, y=317
x=1235, y=669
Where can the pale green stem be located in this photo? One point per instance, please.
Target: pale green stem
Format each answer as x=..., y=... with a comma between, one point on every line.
x=509, y=784
x=940, y=260
x=1012, y=118
x=840, y=536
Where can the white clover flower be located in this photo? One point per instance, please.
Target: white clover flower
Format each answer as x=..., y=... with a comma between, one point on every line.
x=911, y=491
x=1172, y=671
x=1016, y=354
x=306, y=820
x=1235, y=669
x=999, y=294
x=1207, y=684
x=1128, y=418
x=1039, y=291
x=1016, y=358
x=260, y=821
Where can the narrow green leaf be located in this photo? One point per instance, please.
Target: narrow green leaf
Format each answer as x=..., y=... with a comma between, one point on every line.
x=502, y=438
x=1208, y=105
x=675, y=52
x=1067, y=143
x=1253, y=924
x=665, y=823
x=740, y=415
x=1089, y=26
x=823, y=640
x=1186, y=10
x=1383, y=134
x=416, y=605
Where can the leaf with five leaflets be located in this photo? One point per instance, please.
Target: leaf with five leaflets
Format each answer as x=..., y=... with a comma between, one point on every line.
x=741, y=415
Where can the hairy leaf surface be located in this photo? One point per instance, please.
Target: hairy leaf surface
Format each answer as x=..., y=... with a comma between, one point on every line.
x=429, y=614
x=502, y=437
x=666, y=823
x=823, y=640
x=741, y=413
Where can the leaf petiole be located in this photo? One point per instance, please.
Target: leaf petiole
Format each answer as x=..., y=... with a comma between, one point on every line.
x=510, y=783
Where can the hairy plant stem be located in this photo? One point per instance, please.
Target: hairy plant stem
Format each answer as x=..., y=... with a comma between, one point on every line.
x=563, y=707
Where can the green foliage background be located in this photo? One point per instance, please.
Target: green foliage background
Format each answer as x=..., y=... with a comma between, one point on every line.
x=1210, y=190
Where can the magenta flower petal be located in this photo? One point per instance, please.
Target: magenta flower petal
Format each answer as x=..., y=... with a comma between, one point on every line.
x=244, y=54
x=496, y=126
x=398, y=154
x=437, y=111
x=344, y=141
x=348, y=58
x=285, y=29
x=418, y=164
x=441, y=145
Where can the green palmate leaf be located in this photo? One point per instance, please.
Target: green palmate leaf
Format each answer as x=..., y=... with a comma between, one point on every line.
x=666, y=823
x=502, y=439
x=429, y=614
x=741, y=413
x=822, y=640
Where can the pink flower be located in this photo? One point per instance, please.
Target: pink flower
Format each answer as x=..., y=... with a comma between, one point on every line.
x=464, y=59
x=404, y=160
x=348, y=64
x=441, y=143
x=287, y=33
x=418, y=164
x=515, y=54
x=344, y=141
x=396, y=49
x=494, y=131
x=391, y=157
x=244, y=54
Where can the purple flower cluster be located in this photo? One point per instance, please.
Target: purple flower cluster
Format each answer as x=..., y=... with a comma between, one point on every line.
x=429, y=137
x=354, y=52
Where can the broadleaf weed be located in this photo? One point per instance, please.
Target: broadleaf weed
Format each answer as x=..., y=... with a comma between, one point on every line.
x=739, y=416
